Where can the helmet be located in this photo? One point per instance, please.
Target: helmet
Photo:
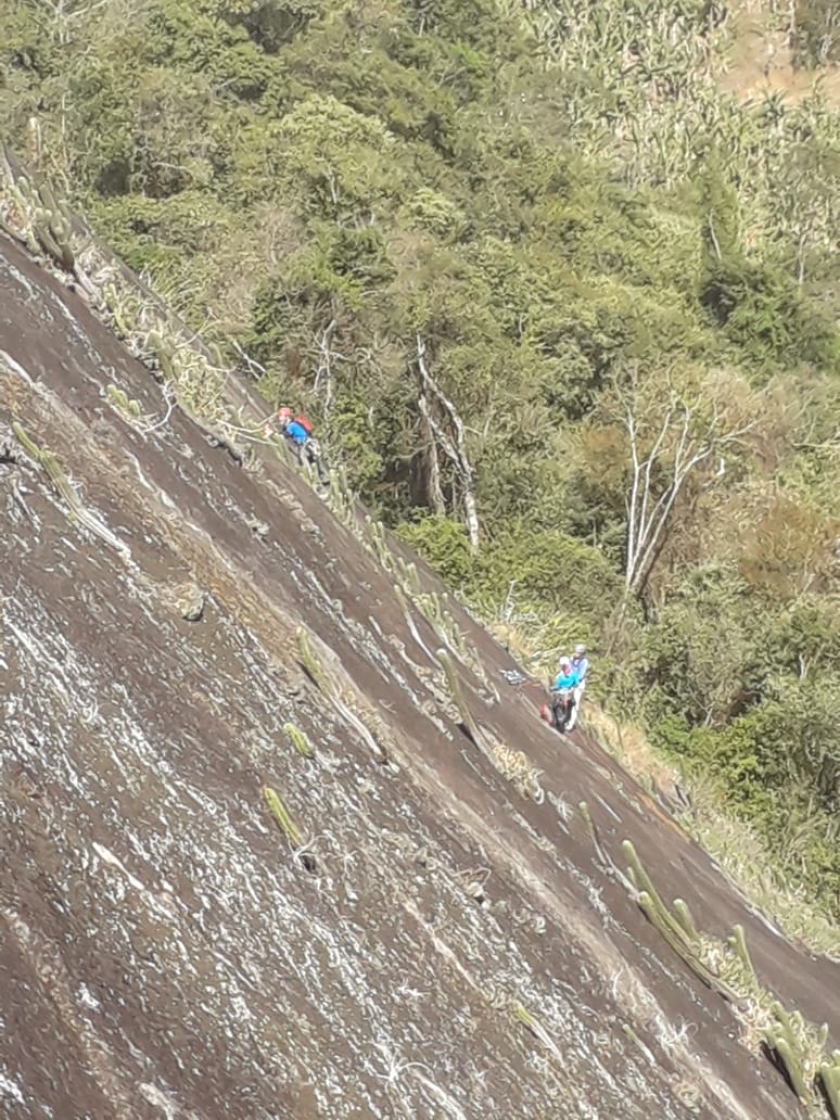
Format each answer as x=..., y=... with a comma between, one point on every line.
x=284, y=414
x=580, y=650
x=565, y=663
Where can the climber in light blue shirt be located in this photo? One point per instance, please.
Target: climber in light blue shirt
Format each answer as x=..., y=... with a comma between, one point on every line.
x=567, y=677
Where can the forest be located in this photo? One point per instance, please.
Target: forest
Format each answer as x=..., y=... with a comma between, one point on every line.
x=561, y=297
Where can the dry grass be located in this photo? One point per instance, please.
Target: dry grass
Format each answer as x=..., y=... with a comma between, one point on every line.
x=629, y=745
x=760, y=61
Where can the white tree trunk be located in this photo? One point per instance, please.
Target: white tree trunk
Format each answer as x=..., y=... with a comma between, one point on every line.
x=455, y=450
x=324, y=371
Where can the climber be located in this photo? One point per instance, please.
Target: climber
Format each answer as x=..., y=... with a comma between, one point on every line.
x=298, y=431
x=580, y=667
x=561, y=713
x=567, y=677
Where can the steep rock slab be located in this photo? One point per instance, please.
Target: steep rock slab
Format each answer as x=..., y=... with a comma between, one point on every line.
x=433, y=944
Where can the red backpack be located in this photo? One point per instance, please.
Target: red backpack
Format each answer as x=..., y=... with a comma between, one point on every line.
x=305, y=424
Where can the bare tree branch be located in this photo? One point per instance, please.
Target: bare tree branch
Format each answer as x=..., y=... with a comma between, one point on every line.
x=659, y=474
x=325, y=365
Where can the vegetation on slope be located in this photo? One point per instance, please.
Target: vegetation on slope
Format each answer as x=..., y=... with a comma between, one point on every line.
x=566, y=310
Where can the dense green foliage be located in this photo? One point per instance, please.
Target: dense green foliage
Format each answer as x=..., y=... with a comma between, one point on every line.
x=498, y=250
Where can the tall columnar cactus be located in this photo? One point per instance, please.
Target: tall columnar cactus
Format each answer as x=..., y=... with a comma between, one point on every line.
x=738, y=944
x=44, y=221
x=341, y=499
x=678, y=933
x=457, y=693
x=781, y=1039
x=830, y=1076
x=684, y=917
x=76, y=512
x=53, y=227
x=409, y=577
x=583, y=807
x=644, y=884
x=379, y=544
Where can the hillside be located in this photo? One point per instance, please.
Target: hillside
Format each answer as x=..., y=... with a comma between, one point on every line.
x=559, y=280
x=434, y=931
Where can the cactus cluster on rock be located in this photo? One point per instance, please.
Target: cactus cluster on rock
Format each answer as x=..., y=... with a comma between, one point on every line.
x=120, y=400
x=342, y=500
x=679, y=930
x=798, y=1046
x=44, y=221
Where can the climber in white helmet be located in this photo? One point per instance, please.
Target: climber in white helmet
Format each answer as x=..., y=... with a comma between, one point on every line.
x=580, y=668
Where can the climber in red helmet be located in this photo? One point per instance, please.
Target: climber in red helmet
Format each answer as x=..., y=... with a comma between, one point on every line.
x=298, y=431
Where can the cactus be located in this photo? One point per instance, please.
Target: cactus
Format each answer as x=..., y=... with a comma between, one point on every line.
x=683, y=916
x=310, y=662
x=401, y=599
x=409, y=577
x=790, y=1038
x=457, y=694
x=341, y=499
x=51, y=225
x=115, y=306
x=792, y=1062
x=281, y=816
x=830, y=1077
x=298, y=740
x=644, y=884
x=48, y=462
x=662, y=921
x=29, y=446
x=593, y=831
x=379, y=544
x=75, y=512
x=378, y=527
x=536, y=1028
x=738, y=944
x=122, y=402
x=413, y=578
x=679, y=933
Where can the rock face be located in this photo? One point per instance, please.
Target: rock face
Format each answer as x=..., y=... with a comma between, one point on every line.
x=226, y=891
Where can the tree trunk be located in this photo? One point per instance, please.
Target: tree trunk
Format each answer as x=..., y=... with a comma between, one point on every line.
x=454, y=449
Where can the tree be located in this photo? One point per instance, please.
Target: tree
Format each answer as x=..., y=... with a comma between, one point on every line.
x=673, y=441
